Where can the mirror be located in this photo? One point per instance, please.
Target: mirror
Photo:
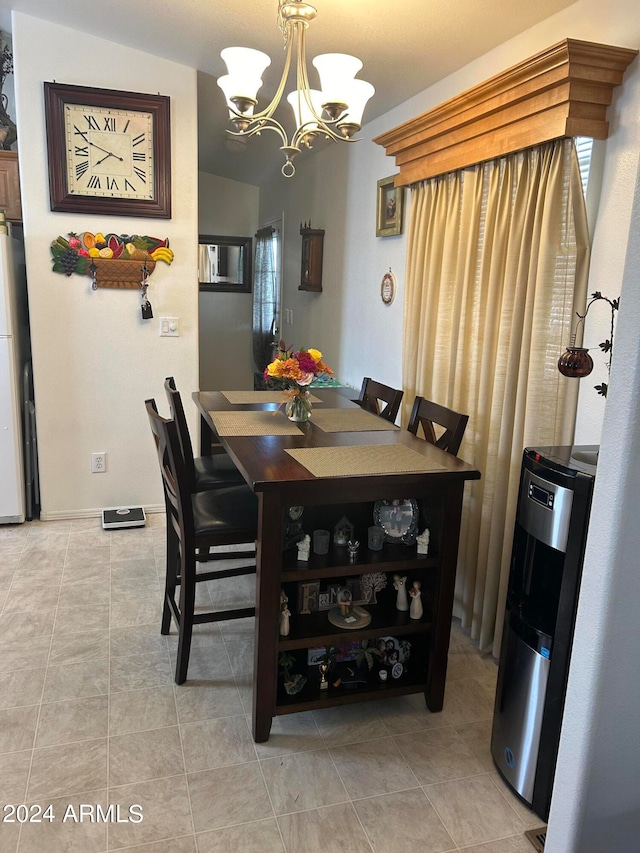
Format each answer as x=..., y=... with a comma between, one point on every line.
x=224, y=263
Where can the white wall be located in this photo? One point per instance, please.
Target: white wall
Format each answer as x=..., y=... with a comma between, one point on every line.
x=228, y=209
x=95, y=361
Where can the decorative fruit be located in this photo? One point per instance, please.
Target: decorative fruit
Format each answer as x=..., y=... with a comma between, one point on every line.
x=100, y=238
x=162, y=254
x=83, y=253
x=105, y=252
x=94, y=253
x=88, y=239
x=74, y=243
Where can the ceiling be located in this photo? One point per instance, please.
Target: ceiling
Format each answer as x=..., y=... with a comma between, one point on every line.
x=405, y=47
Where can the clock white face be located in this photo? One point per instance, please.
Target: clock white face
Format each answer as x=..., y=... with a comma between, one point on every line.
x=109, y=152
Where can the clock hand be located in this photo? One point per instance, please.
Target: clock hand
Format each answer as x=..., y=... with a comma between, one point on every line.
x=105, y=150
x=106, y=157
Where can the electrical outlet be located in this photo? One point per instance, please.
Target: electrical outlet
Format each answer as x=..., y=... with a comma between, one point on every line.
x=98, y=462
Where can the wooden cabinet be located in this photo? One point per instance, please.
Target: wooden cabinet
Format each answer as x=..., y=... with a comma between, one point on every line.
x=10, y=186
x=312, y=249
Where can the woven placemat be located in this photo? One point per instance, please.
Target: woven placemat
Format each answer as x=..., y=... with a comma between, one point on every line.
x=354, y=461
x=349, y=420
x=253, y=423
x=238, y=397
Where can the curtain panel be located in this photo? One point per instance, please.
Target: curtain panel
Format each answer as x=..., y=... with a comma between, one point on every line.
x=264, y=299
x=497, y=266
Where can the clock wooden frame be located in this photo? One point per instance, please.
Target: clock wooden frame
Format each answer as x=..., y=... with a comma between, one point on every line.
x=56, y=95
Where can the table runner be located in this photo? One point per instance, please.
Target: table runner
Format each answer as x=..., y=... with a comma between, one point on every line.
x=272, y=422
x=357, y=460
x=238, y=397
x=349, y=420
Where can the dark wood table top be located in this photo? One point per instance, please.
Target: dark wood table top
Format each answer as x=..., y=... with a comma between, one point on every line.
x=267, y=467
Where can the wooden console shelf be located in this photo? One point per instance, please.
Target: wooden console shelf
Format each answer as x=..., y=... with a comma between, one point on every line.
x=281, y=482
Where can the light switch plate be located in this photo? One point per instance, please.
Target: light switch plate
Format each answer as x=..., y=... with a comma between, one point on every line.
x=169, y=327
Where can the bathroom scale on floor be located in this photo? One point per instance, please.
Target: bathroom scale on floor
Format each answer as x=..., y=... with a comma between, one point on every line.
x=123, y=517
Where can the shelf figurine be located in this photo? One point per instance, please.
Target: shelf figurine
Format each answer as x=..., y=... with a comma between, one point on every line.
x=400, y=585
x=371, y=584
x=343, y=531
x=304, y=546
x=285, y=613
x=423, y=541
x=353, y=546
x=416, y=610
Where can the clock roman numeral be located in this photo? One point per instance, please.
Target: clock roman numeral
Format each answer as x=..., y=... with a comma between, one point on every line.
x=138, y=140
x=129, y=186
x=110, y=123
x=138, y=155
x=126, y=125
x=94, y=183
x=112, y=184
x=78, y=132
x=82, y=150
x=141, y=174
x=81, y=168
x=92, y=122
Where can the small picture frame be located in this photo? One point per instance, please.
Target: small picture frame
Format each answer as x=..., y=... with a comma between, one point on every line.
x=399, y=520
x=389, y=208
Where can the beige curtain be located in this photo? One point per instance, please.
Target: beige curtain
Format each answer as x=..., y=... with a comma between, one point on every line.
x=497, y=265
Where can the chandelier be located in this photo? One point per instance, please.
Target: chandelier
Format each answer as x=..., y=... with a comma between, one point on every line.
x=334, y=111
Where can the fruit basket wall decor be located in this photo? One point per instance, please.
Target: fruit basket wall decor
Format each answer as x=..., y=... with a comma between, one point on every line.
x=111, y=260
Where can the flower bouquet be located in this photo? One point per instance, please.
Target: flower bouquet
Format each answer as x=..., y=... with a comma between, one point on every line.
x=294, y=372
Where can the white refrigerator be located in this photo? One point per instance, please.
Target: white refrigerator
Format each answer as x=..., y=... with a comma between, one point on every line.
x=13, y=339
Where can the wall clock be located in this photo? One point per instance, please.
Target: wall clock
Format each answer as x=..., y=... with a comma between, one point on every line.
x=109, y=151
x=388, y=288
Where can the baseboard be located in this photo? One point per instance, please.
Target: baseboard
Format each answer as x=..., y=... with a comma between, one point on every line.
x=67, y=515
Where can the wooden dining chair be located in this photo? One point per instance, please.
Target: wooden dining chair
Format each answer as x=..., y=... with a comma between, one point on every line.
x=197, y=522
x=380, y=399
x=203, y=472
x=428, y=415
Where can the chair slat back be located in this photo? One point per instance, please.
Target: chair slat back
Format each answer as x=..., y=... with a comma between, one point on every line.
x=174, y=478
x=426, y=413
x=373, y=394
x=177, y=413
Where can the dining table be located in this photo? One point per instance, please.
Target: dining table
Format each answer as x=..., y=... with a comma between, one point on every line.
x=345, y=462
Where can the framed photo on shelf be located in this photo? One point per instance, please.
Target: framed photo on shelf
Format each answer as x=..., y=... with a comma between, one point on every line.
x=389, y=208
x=398, y=519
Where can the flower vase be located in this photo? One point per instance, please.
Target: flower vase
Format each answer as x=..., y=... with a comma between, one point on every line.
x=298, y=406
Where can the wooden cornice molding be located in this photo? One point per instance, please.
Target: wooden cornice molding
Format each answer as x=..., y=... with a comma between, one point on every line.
x=562, y=91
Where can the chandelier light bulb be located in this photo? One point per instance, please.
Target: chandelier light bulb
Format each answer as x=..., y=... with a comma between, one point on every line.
x=244, y=62
x=357, y=94
x=336, y=71
x=304, y=116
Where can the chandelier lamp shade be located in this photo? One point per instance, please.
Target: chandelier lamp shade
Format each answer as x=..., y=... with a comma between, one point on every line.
x=334, y=110
x=576, y=362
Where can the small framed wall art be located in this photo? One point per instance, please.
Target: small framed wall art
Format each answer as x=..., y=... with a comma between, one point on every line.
x=389, y=208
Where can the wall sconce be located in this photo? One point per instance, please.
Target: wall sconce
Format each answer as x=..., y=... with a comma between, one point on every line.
x=576, y=362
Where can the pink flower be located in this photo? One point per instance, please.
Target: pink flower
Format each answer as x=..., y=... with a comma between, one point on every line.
x=305, y=379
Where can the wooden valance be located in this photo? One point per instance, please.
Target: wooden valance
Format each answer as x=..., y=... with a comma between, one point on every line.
x=562, y=91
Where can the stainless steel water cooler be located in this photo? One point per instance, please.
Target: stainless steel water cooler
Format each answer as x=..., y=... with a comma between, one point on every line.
x=556, y=485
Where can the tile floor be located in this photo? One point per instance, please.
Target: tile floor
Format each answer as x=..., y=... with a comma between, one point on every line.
x=89, y=715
